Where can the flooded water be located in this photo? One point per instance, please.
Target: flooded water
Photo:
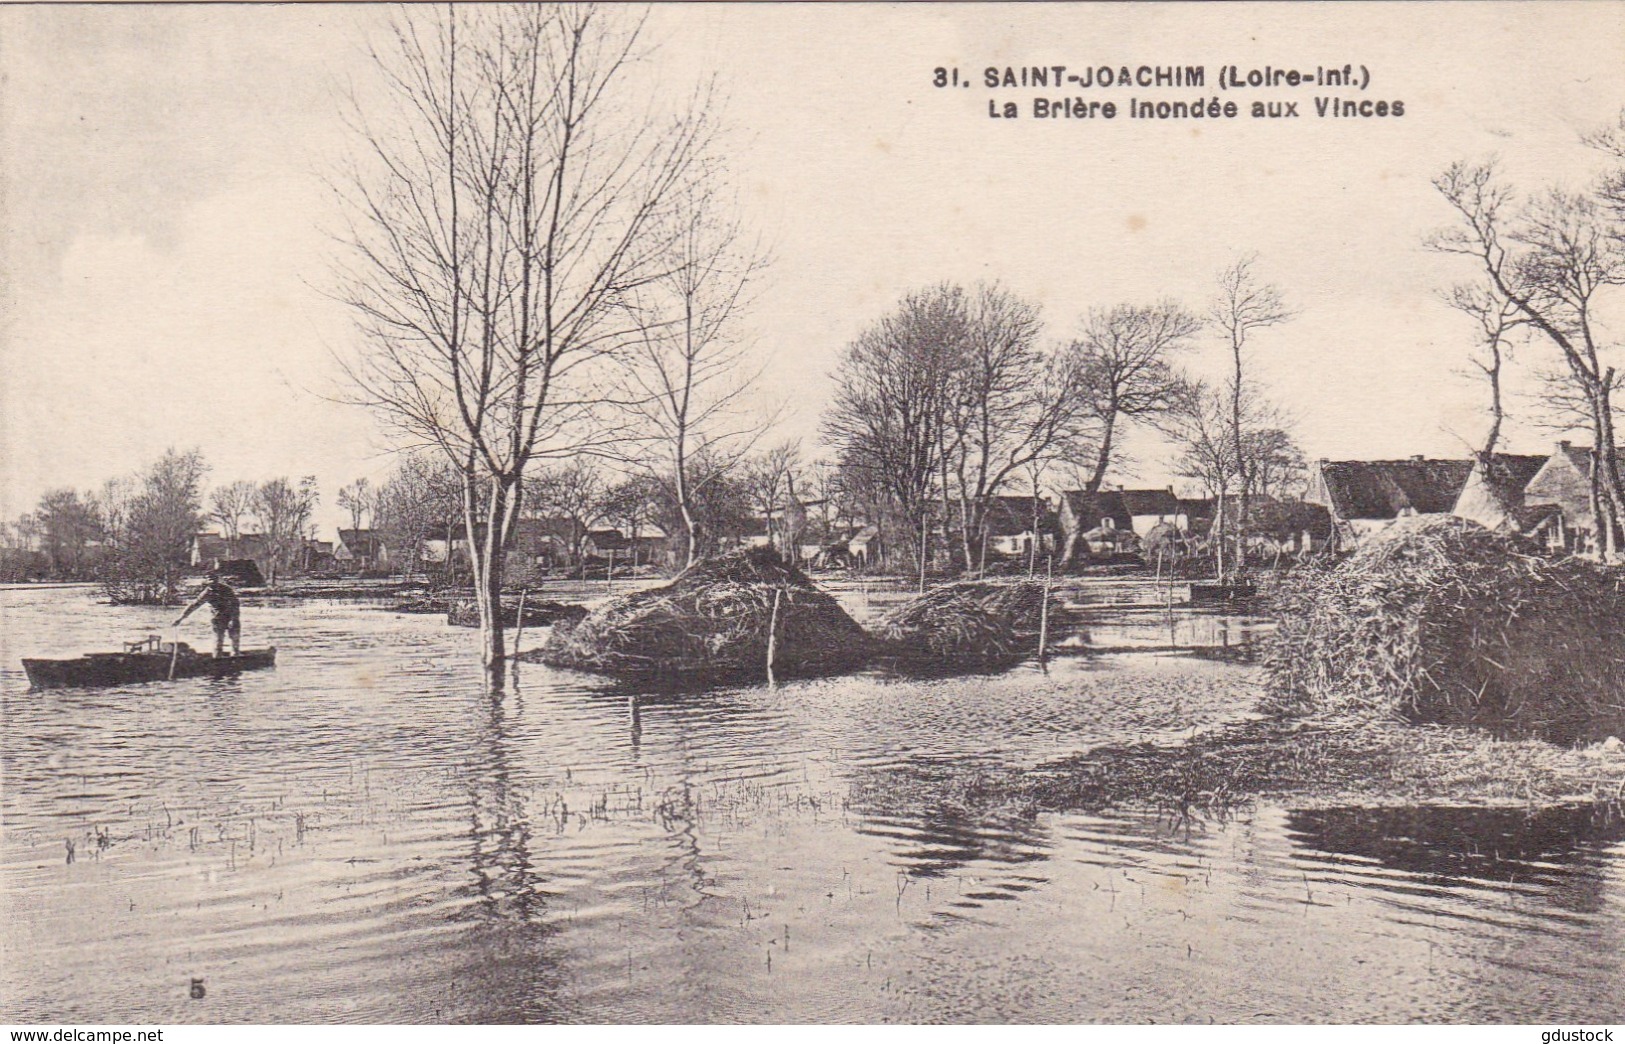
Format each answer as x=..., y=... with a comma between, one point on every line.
x=362, y=835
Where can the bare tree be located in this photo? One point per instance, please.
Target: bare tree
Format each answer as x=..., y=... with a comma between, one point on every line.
x=686, y=372
x=1202, y=425
x=1126, y=361
x=1012, y=405
x=1244, y=305
x=421, y=500
x=1610, y=141
x=632, y=504
x=27, y=530
x=769, y=480
x=510, y=196
x=69, y=524
x=229, y=503
x=113, y=502
x=1275, y=462
x=282, y=509
x=572, y=492
x=1551, y=260
x=1496, y=319
x=359, y=499
x=886, y=421
x=161, y=518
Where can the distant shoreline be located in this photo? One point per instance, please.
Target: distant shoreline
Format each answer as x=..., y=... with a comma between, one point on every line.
x=47, y=587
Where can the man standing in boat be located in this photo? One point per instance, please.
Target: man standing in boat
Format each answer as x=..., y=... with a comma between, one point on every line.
x=228, y=617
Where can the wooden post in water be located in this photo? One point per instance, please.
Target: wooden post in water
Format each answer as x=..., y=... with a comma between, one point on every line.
x=1043, y=610
x=519, y=620
x=773, y=634
x=609, y=581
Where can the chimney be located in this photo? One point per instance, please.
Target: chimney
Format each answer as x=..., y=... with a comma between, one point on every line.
x=1416, y=458
x=1565, y=445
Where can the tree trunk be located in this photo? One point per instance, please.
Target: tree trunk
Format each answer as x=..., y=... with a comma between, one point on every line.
x=690, y=531
x=1103, y=459
x=488, y=562
x=1240, y=564
x=1606, y=464
x=1497, y=411
x=924, y=533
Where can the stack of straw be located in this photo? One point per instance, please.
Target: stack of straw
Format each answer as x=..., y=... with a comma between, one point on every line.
x=712, y=623
x=1440, y=620
x=967, y=625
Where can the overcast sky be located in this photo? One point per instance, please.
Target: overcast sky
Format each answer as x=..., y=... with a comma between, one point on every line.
x=162, y=259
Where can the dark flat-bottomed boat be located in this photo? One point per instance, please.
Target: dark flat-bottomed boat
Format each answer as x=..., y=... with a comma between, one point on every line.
x=145, y=661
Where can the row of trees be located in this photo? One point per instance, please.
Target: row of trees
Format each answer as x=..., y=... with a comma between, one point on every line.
x=421, y=501
x=954, y=398
x=547, y=267
x=135, y=533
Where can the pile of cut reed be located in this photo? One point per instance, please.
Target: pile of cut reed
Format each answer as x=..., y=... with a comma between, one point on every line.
x=1440, y=620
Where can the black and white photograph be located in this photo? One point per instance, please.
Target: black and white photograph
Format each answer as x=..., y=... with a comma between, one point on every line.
x=812, y=514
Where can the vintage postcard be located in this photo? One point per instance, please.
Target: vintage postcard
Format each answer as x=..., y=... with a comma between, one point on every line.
x=811, y=513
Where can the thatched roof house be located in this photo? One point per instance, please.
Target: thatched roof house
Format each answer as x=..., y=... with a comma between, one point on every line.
x=1287, y=525
x=211, y=550
x=1149, y=508
x=1364, y=496
x=361, y=549
x=1083, y=513
x=1564, y=481
x=1195, y=515
x=1014, y=523
x=1493, y=493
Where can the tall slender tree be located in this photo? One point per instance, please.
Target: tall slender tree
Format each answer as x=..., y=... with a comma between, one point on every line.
x=511, y=193
x=1497, y=319
x=1244, y=306
x=687, y=374
x=1127, y=361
